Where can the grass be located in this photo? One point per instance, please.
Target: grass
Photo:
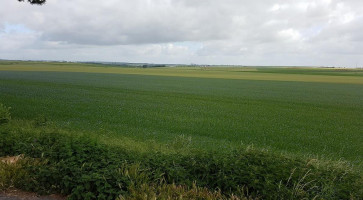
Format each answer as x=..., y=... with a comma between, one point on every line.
x=317, y=119
x=158, y=115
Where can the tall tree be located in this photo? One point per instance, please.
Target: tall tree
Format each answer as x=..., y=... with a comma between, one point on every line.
x=38, y=2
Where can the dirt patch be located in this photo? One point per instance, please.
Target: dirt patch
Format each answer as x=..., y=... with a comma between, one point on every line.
x=20, y=195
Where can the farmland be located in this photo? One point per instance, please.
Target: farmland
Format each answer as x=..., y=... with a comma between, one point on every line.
x=281, y=113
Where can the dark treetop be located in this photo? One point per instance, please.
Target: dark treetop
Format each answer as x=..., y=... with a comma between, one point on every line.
x=39, y=2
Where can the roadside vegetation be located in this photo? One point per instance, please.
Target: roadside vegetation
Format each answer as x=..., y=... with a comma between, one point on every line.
x=56, y=161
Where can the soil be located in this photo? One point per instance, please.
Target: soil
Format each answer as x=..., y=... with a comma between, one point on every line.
x=20, y=195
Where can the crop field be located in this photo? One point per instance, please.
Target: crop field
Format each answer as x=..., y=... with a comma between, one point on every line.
x=294, y=113
x=245, y=73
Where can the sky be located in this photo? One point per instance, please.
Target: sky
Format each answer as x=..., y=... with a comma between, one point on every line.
x=229, y=32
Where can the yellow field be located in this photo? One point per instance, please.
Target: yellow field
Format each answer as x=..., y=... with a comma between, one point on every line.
x=211, y=72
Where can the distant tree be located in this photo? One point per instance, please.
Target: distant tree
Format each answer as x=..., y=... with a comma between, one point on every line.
x=38, y=2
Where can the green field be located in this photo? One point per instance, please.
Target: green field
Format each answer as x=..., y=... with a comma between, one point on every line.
x=302, y=113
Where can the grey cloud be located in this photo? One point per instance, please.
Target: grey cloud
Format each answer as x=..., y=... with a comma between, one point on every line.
x=230, y=31
x=130, y=22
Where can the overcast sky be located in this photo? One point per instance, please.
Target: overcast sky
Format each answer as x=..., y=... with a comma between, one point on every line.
x=245, y=32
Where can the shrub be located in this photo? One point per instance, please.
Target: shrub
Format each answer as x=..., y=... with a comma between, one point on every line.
x=4, y=114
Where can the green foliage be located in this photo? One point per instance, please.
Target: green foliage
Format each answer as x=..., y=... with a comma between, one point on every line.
x=83, y=168
x=4, y=114
x=76, y=166
x=40, y=120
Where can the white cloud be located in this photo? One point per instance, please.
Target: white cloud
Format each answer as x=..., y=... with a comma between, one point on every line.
x=278, y=7
x=290, y=34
